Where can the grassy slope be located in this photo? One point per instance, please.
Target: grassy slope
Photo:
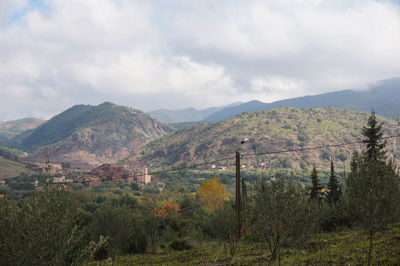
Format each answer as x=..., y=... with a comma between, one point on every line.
x=273, y=130
x=10, y=168
x=345, y=248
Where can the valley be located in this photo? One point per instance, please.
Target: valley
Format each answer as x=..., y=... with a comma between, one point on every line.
x=143, y=189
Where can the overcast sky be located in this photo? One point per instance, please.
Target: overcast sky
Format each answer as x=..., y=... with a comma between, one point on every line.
x=181, y=53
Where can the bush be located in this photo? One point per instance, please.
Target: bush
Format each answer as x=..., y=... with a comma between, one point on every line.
x=179, y=244
x=326, y=155
x=122, y=228
x=342, y=156
x=47, y=230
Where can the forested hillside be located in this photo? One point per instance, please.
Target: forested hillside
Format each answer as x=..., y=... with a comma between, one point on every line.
x=268, y=131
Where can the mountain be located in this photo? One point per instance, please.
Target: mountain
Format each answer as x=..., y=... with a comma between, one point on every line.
x=187, y=114
x=21, y=125
x=181, y=125
x=383, y=97
x=234, y=110
x=87, y=136
x=268, y=131
x=10, y=129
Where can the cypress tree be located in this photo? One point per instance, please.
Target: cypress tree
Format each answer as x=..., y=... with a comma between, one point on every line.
x=333, y=187
x=315, y=193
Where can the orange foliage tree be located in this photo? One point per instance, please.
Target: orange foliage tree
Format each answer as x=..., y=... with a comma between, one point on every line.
x=213, y=194
x=168, y=208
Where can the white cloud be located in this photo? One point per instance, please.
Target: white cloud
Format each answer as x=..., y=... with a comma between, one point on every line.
x=10, y=7
x=86, y=51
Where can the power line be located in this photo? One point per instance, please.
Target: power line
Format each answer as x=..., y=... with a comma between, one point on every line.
x=191, y=166
x=314, y=148
x=266, y=153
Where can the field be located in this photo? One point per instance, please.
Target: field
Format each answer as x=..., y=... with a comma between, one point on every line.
x=343, y=248
x=10, y=168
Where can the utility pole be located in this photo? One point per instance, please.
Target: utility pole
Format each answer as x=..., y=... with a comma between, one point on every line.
x=237, y=196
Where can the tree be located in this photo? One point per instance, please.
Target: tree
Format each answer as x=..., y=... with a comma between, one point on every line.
x=372, y=187
x=223, y=226
x=213, y=194
x=169, y=208
x=282, y=214
x=120, y=225
x=334, y=191
x=333, y=214
x=152, y=223
x=48, y=230
x=373, y=138
x=315, y=193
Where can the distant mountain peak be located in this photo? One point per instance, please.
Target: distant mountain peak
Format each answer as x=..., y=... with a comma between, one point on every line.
x=107, y=104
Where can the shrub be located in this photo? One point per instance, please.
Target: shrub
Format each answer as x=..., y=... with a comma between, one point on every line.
x=179, y=244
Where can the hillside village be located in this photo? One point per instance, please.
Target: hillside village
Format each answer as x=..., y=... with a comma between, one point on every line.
x=114, y=173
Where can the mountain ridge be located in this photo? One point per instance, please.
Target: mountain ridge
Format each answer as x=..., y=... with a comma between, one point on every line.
x=383, y=97
x=272, y=130
x=87, y=135
x=191, y=114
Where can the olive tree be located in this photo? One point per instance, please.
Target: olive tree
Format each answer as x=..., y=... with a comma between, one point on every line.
x=283, y=215
x=48, y=229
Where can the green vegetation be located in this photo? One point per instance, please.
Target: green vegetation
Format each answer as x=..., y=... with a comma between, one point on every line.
x=280, y=224
x=10, y=153
x=10, y=168
x=10, y=165
x=336, y=248
x=80, y=117
x=316, y=188
x=10, y=129
x=87, y=135
x=184, y=124
x=273, y=130
x=334, y=189
x=372, y=187
x=282, y=215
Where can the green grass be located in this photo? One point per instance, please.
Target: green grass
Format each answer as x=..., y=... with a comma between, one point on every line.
x=10, y=168
x=344, y=248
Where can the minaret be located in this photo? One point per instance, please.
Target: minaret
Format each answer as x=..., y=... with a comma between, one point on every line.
x=145, y=171
x=145, y=177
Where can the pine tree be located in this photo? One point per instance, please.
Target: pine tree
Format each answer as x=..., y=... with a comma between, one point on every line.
x=373, y=134
x=372, y=187
x=334, y=191
x=316, y=188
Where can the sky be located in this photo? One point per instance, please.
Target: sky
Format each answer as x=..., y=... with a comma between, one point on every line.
x=187, y=53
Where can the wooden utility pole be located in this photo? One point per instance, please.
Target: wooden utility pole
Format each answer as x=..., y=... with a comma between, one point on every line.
x=237, y=196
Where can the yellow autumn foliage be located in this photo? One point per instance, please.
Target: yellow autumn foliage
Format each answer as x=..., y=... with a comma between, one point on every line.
x=213, y=194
